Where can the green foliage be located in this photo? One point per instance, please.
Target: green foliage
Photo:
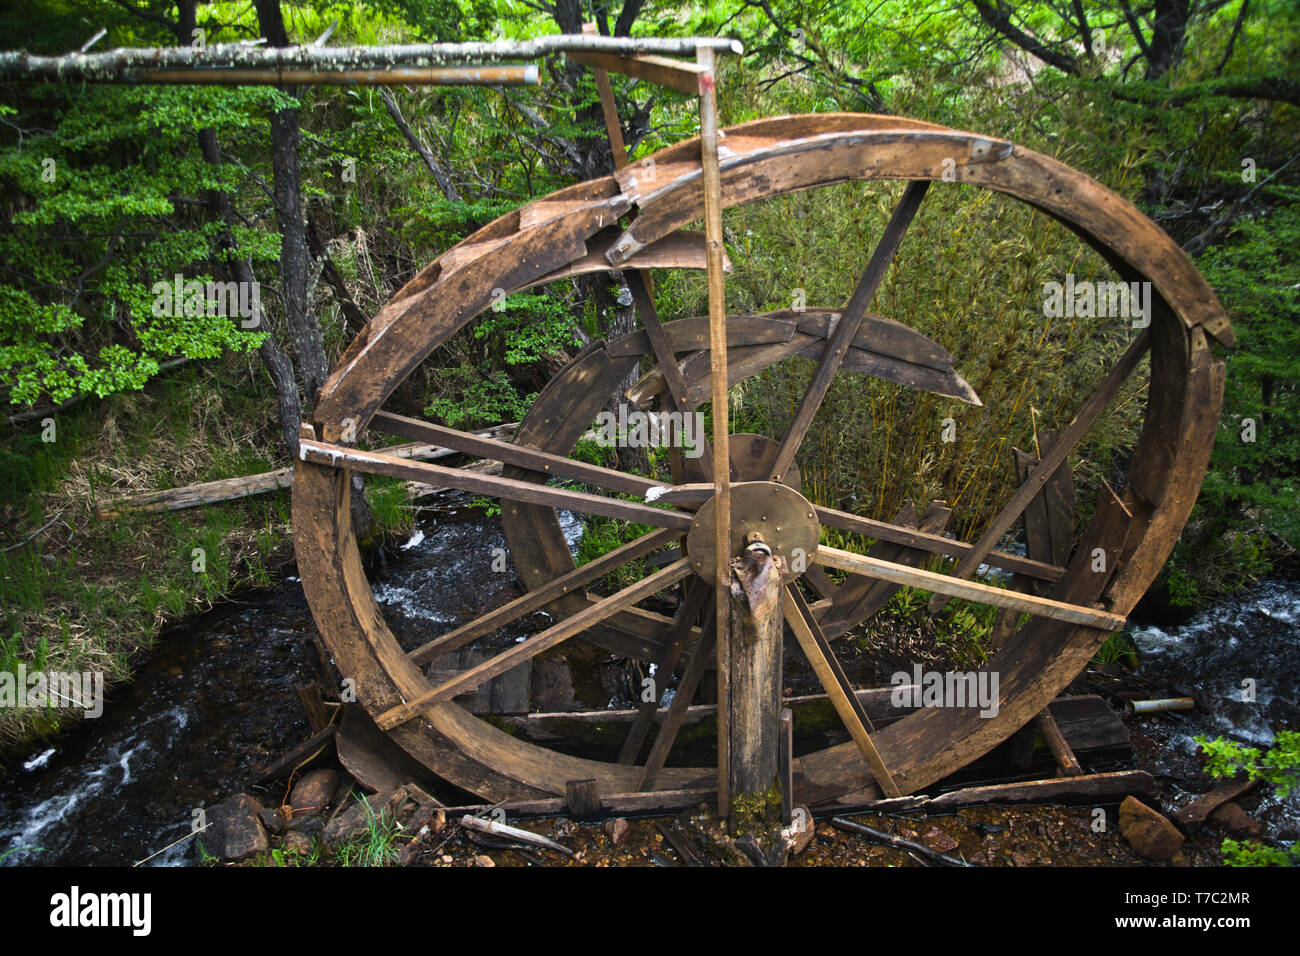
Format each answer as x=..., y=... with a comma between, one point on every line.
x=1240, y=853
x=1279, y=765
x=376, y=846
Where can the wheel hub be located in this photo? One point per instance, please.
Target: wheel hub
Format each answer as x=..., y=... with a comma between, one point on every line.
x=781, y=516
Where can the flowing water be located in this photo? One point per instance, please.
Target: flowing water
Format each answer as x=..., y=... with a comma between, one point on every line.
x=217, y=701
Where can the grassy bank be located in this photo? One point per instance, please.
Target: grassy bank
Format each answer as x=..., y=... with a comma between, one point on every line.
x=88, y=595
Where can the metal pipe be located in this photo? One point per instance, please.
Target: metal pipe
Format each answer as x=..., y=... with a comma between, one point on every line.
x=1155, y=706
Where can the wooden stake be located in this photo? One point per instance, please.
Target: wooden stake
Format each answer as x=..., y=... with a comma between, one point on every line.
x=712, y=181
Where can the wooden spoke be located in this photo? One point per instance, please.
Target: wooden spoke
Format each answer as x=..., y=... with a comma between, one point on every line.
x=511, y=489
x=696, y=594
x=677, y=710
x=510, y=454
x=850, y=321
x=536, y=644
x=1051, y=461
x=842, y=696
x=694, y=494
x=968, y=590
x=565, y=584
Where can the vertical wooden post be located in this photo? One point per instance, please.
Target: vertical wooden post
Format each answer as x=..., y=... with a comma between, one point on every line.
x=754, y=635
x=718, y=370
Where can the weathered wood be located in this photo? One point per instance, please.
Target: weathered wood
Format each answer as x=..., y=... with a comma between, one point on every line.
x=1085, y=788
x=911, y=846
x=967, y=590
x=507, y=453
x=582, y=797
x=1192, y=816
x=768, y=158
x=692, y=334
x=542, y=641
x=313, y=704
x=697, y=592
x=672, y=722
x=228, y=489
x=339, y=456
x=838, y=688
x=484, y=825
x=674, y=74
x=297, y=755
x=883, y=337
x=754, y=633
x=539, y=598
x=859, y=598
x=1052, y=460
x=615, y=803
x=711, y=196
x=1058, y=745
x=785, y=764
x=132, y=65
x=608, y=108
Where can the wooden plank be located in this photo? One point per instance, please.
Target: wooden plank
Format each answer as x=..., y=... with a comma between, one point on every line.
x=697, y=592
x=660, y=70
x=540, y=597
x=838, y=688
x=339, y=456
x=297, y=755
x=1085, y=788
x=883, y=337
x=967, y=590
x=847, y=328
x=542, y=641
x=692, y=334
x=582, y=797
x=507, y=453
x=1052, y=460
x=228, y=489
x=672, y=722
x=785, y=764
x=647, y=801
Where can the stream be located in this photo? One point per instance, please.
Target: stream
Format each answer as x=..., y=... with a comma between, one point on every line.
x=216, y=701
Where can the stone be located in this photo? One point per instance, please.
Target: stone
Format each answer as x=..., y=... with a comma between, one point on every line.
x=297, y=842
x=273, y=819
x=312, y=794
x=617, y=829
x=483, y=860
x=1230, y=818
x=356, y=818
x=1148, y=832
x=939, y=841
x=235, y=831
x=801, y=830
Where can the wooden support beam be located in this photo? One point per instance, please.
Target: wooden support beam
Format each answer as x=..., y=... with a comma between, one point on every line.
x=1052, y=460
x=540, y=597
x=837, y=346
x=511, y=489
x=1058, y=745
x=662, y=71
x=838, y=689
x=677, y=711
x=711, y=183
x=967, y=590
x=542, y=641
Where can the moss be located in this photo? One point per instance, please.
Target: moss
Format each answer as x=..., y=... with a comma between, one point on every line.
x=756, y=813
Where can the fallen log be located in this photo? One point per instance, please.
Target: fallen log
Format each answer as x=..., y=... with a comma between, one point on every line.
x=228, y=489
x=512, y=833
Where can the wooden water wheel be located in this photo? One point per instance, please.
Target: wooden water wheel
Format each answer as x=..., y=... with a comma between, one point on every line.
x=635, y=221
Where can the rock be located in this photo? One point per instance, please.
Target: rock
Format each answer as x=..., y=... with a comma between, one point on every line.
x=979, y=859
x=1021, y=859
x=1230, y=818
x=312, y=794
x=1149, y=833
x=483, y=860
x=939, y=841
x=235, y=830
x=617, y=829
x=297, y=842
x=273, y=819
